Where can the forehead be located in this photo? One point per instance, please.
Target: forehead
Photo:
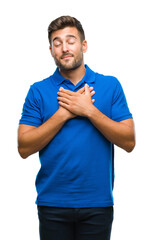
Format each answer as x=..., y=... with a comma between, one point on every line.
x=65, y=32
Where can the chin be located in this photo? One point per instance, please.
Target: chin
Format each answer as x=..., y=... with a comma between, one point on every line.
x=70, y=67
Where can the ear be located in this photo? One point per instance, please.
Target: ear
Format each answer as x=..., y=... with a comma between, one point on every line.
x=51, y=51
x=84, y=46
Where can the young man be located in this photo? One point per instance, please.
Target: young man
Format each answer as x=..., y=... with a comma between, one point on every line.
x=75, y=136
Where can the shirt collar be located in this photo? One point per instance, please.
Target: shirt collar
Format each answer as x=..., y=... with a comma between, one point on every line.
x=89, y=76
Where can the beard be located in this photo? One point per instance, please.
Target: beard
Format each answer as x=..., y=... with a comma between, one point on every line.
x=69, y=64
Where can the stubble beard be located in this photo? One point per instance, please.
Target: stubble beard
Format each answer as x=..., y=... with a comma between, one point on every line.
x=76, y=63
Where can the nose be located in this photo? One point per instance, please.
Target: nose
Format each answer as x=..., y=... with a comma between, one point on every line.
x=65, y=47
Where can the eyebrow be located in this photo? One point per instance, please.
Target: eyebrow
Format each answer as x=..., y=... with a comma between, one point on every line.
x=67, y=36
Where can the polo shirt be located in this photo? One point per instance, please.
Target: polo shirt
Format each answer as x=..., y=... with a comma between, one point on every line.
x=77, y=165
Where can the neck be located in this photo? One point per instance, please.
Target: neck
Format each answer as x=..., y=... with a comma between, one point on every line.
x=75, y=75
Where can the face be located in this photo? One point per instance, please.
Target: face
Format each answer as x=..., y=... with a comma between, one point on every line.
x=67, y=48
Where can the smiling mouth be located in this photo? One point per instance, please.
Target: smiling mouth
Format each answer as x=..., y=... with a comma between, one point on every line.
x=66, y=56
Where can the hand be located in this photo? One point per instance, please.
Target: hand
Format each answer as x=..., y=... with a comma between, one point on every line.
x=78, y=103
x=68, y=114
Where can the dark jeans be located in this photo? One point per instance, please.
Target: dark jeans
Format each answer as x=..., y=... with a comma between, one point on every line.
x=75, y=223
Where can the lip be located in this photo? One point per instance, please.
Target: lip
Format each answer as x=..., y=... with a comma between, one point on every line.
x=66, y=57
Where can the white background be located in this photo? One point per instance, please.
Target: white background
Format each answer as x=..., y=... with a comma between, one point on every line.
x=120, y=43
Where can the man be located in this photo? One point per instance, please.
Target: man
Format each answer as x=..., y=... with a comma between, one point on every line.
x=75, y=136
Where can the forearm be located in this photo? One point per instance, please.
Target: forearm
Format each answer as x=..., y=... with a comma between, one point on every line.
x=119, y=133
x=35, y=139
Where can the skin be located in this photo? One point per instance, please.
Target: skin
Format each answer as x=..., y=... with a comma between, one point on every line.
x=67, y=49
x=119, y=133
x=33, y=139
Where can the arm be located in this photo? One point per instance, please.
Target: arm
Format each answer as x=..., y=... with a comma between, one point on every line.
x=119, y=133
x=32, y=139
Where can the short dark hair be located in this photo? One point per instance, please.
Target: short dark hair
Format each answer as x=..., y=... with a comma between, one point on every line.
x=65, y=21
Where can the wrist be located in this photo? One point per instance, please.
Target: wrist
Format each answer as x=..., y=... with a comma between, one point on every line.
x=61, y=114
x=95, y=114
x=64, y=114
x=91, y=111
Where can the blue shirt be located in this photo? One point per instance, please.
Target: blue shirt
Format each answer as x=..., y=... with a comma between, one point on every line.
x=77, y=166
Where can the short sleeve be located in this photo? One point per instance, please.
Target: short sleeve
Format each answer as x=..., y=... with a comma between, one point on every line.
x=31, y=113
x=120, y=109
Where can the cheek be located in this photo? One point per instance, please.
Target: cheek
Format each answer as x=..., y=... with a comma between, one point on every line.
x=56, y=53
x=77, y=50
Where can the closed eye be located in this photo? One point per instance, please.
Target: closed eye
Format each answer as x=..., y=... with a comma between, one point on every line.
x=57, y=43
x=71, y=42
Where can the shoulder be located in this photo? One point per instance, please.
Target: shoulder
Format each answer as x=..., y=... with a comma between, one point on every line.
x=108, y=82
x=38, y=88
x=107, y=79
x=41, y=84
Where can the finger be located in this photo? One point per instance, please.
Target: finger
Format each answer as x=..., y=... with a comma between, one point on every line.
x=91, y=88
x=81, y=90
x=64, y=100
x=65, y=95
x=92, y=93
x=87, y=91
x=93, y=100
x=63, y=105
x=66, y=91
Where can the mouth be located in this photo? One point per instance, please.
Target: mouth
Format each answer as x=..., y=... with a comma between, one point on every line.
x=66, y=56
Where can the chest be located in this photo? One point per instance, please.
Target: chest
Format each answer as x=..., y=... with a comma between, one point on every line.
x=49, y=103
